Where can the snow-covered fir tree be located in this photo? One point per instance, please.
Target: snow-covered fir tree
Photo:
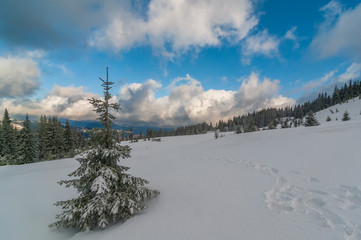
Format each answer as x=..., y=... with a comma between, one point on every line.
x=107, y=193
x=311, y=120
x=26, y=144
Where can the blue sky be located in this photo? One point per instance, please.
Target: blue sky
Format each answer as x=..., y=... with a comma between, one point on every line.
x=174, y=62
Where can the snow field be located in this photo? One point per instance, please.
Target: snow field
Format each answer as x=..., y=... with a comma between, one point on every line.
x=294, y=183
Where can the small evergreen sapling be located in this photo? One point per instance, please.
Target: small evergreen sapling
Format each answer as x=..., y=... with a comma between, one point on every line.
x=239, y=129
x=107, y=193
x=346, y=116
x=251, y=126
x=328, y=119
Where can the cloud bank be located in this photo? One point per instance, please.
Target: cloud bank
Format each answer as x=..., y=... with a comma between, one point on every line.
x=187, y=102
x=66, y=102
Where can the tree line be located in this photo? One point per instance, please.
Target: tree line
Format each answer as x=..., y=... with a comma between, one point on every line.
x=48, y=140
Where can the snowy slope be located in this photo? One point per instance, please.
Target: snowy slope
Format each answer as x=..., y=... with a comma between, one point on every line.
x=353, y=107
x=298, y=183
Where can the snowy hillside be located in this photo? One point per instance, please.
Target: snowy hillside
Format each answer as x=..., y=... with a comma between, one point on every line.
x=353, y=107
x=294, y=183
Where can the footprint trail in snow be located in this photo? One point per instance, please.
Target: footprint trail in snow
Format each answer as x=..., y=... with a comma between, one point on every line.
x=329, y=209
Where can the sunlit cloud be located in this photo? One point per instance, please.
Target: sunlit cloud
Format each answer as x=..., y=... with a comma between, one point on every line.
x=186, y=103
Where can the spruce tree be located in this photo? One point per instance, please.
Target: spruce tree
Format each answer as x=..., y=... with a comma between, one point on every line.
x=59, y=139
x=79, y=140
x=50, y=136
x=311, y=120
x=8, y=140
x=346, y=116
x=54, y=140
x=26, y=145
x=328, y=119
x=68, y=141
x=107, y=193
x=41, y=137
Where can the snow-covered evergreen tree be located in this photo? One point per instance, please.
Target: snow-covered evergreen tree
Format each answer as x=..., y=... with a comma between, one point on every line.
x=26, y=145
x=107, y=193
x=216, y=135
x=311, y=120
x=272, y=125
x=346, y=116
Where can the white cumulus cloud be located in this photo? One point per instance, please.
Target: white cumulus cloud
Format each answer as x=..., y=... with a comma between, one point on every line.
x=261, y=43
x=188, y=102
x=173, y=26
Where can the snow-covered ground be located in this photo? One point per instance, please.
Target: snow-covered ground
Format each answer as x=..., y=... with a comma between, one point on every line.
x=297, y=183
